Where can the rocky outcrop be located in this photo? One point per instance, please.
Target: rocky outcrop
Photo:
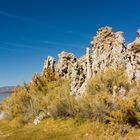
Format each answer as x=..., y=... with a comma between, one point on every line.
x=49, y=63
x=108, y=51
x=133, y=55
x=42, y=115
x=66, y=64
x=89, y=64
x=71, y=67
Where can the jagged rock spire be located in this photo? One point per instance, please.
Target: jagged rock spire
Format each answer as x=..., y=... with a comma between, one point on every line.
x=108, y=51
x=49, y=63
x=138, y=32
x=89, y=65
x=133, y=55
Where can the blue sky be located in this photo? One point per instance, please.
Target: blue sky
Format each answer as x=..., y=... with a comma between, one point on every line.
x=30, y=30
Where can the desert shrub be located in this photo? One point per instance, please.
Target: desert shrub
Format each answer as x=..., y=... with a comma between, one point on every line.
x=28, y=99
x=103, y=105
x=136, y=91
x=18, y=102
x=125, y=114
x=46, y=91
x=126, y=111
x=95, y=107
x=105, y=81
x=52, y=93
x=60, y=102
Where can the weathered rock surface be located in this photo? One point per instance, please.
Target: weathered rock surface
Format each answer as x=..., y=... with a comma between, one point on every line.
x=71, y=67
x=42, y=115
x=49, y=63
x=66, y=64
x=108, y=51
x=133, y=55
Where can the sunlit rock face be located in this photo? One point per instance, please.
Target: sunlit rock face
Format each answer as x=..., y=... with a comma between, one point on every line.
x=108, y=51
x=133, y=54
x=73, y=68
x=66, y=64
x=49, y=63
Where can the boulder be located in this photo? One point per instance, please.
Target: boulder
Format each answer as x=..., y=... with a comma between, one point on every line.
x=42, y=114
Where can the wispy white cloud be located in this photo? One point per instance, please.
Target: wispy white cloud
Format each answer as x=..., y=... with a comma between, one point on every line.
x=56, y=29
x=45, y=45
x=18, y=45
x=84, y=35
x=3, y=13
x=61, y=44
x=80, y=46
x=7, y=49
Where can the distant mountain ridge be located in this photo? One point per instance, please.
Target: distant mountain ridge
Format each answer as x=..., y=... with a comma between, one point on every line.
x=6, y=89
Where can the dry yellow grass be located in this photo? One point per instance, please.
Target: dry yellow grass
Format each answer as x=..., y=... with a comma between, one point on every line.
x=70, y=129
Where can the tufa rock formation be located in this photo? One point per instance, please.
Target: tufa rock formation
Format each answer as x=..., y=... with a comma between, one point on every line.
x=108, y=51
x=133, y=56
x=49, y=63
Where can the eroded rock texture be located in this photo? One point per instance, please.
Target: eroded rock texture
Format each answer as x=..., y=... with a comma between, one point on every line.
x=49, y=63
x=71, y=67
x=108, y=51
x=133, y=55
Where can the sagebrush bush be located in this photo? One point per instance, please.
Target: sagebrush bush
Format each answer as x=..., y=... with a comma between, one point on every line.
x=125, y=114
x=109, y=98
x=29, y=99
x=105, y=81
x=109, y=107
